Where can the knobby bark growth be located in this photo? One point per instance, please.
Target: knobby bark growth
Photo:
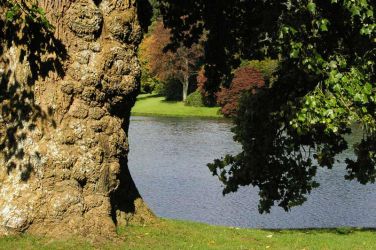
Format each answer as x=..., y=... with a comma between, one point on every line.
x=65, y=104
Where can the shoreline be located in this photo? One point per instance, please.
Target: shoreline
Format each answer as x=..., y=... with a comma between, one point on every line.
x=152, y=105
x=179, y=234
x=146, y=114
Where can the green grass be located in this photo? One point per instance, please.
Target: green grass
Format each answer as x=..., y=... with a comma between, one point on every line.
x=150, y=105
x=173, y=234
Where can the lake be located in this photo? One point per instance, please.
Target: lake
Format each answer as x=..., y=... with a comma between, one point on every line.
x=168, y=158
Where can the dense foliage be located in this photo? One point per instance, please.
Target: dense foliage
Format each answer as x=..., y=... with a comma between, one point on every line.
x=169, y=67
x=324, y=84
x=171, y=90
x=246, y=79
x=148, y=83
x=195, y=99
x=267, y=67
x=201, y=82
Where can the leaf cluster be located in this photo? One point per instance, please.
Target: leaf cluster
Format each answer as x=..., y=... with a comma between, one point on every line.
x=246, y=79
x=325, y=82
x=27, y=12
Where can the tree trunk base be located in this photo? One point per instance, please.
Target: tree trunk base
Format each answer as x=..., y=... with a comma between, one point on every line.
x=65, y=210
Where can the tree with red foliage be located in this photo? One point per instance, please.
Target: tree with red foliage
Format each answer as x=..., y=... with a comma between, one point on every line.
x=180, y=64
x=245, y=79
x=201, y=81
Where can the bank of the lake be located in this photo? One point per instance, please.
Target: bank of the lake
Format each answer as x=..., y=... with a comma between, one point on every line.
x=172, y=234
x=151, y=105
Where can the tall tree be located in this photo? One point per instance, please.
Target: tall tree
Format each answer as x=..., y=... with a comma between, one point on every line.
x=325, y=83
x=180, y=64
x=65, y=101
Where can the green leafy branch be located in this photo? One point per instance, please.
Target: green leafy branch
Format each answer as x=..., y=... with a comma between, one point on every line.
x=28, y=13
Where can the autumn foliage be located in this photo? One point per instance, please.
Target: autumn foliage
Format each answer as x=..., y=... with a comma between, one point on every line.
x=245, y=79
x=151, y=51
x=179, y=65
x=201, y=81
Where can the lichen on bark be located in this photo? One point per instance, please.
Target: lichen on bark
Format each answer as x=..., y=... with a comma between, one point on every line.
x=65, y=104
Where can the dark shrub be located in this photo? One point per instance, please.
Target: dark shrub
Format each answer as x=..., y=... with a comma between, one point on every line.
x=208, y=99
x=171, y=89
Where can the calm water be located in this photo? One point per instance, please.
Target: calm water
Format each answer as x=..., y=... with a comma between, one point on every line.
x=168, y=160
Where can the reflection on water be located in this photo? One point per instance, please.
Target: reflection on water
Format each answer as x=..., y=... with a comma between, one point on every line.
x=168, y=160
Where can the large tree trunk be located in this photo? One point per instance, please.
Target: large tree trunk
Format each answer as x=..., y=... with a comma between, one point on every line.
x=65, y=113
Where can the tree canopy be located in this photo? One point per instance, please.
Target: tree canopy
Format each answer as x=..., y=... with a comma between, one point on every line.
x=324, y=84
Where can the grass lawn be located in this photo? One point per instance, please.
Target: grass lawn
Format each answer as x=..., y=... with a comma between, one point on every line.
x=173, y=234
x=150, y=105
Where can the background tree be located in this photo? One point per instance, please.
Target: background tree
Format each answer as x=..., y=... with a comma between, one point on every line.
x=202, y=81
x=179, y=65
x=325, y=83
x=246, y=79
x=267, y=68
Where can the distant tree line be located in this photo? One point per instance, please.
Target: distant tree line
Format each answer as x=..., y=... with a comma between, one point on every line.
x=179, y=74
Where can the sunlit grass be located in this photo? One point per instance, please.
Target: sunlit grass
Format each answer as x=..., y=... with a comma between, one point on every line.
x=173, y=234
x=31, y=242
x=149, y=105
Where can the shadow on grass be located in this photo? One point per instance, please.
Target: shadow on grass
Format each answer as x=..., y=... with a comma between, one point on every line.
x=170, y=101
x=150, y=96
x=147, y=96
x=336, y=230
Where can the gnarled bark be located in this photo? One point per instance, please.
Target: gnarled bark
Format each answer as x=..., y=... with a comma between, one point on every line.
x=64, y=121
